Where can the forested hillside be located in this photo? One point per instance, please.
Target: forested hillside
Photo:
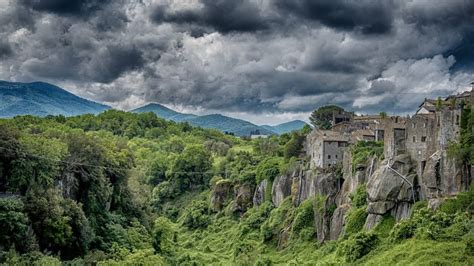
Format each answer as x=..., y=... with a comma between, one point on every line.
x=41, y=99
x=133, y=188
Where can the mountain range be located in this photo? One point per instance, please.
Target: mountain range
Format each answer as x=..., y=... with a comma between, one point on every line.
x=236, y=126
x=41, y=99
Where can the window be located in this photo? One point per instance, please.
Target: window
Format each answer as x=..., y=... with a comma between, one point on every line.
x=329, y=156
x=424, y=125
x=457, y=119
x=423, y=139
x=336, y=156
x=413, y=125
x=414, y=138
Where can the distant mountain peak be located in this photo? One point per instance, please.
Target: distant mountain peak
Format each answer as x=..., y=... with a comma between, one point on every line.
x=41, y=98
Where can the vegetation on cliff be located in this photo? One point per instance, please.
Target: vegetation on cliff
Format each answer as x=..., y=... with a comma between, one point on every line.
x=124, y=188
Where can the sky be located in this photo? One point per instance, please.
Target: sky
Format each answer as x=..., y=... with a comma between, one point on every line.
x=267, y=61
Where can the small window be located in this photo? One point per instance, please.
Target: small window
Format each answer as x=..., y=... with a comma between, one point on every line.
x=414, y=138
x=413, y=125
x=424, y=125
x=423, y=139
x=457, y=119
x=336, y=156
x=329, y=156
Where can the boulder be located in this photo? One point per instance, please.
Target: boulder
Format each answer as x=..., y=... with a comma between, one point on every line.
x=388, y=191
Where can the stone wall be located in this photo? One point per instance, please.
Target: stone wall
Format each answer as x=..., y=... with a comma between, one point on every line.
x=394, y=135
x=333, y=152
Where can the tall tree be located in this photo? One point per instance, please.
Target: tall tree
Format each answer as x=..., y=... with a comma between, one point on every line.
x=321, y=118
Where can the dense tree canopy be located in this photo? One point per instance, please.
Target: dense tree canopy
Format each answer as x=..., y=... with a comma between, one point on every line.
x=322, y=117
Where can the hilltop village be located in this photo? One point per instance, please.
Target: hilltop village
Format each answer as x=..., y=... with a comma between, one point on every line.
x=412, y=165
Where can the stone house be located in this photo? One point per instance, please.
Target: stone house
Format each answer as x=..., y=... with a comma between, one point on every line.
x=326, y=147
x=394, y=135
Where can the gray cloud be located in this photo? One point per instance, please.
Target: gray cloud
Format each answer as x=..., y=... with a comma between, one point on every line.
x=70, y=7
x=5, y=50
x=221, y=15
x=366, y=17
x=245, y=56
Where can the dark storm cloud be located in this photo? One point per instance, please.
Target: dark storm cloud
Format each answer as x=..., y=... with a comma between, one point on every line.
x=443, y=14
x=365, y=16
x=243, y=55
x=221, y=15
x=65, y=7
x=5, y=50
x=112, y=61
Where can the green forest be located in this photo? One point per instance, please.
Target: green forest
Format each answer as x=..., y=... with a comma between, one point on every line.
x=121, y=188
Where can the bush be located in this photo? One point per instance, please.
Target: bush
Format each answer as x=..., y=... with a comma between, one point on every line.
x=355, y=221
x=462, y=202
x=357, y=246
x=165, y=190
x=359, y=197
x=304, y=217
x=428, y=224
x=196, y=215
x=255, y=216
x=279, y=218
x=384, y=228
x=268, y=169
x=364, y=150
x=163, y=235
x=294, y=146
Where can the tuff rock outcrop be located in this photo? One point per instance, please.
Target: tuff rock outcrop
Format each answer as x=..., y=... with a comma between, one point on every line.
x=221, y=194
x=260, y=192
x=243, y=197
x=390, y=190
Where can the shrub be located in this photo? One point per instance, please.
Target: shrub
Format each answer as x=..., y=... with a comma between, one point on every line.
x=196, y=215
x=294, y=146
x=163, y=235
x=268, y=169
x=428, y=224
x=359, y=197
x=462, y=202
x=357, y=246
x=355, y=221
x=384, y=228
x=304, y=217
x=255, y=216
x=165, y=190
x=279, y=218
x=364, y=150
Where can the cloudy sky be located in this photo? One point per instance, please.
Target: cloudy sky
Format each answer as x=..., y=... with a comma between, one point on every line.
x=263, y=60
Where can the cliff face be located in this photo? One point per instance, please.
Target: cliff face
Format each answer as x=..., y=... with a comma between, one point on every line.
x=415, y=167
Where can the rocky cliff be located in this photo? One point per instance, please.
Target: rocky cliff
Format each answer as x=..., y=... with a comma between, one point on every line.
x=393, y=183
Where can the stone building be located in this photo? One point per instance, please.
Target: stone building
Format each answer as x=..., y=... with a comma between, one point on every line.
x=326, y=147
x=394, y=135
x=429, y=135
x=373, y=123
